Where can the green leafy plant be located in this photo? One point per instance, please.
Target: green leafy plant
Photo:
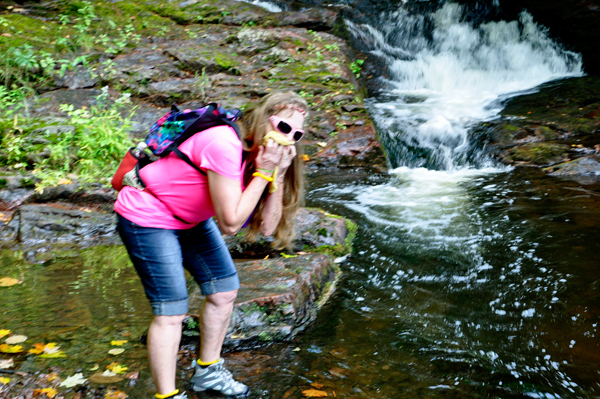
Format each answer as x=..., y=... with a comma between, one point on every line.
x=90, y=153
x=356, y=66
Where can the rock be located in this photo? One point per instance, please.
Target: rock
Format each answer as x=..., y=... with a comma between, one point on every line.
x=62, y=223
x=12, y=198
x=316, y=231
x=318, y=19
x=342, y=97
x=12, y=181
x=534, y=126
x=255, y=41
x=168, y=91
x=587, y=166
x=143, y=65
x=200, y=58
x=357, y=146
x=80, y=78
x=48, y=104
x=277, y=299
x=53, y=130
x=320, y=231
x=537, y=153
x=62, y=191
x=352, y=107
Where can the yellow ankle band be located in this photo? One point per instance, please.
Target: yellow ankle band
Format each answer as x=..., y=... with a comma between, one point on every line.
x=159, y=396
x=202, y=364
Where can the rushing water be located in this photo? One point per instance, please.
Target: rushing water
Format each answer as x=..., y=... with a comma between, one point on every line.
x=468, y=279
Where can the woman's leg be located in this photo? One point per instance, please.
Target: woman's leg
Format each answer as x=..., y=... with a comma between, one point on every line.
x=156, y=255
x=207, y=259
x=214, y=320
x=163, y=344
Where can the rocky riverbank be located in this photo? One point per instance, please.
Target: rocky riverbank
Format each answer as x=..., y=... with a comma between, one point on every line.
x=556, y=129
x=189, y=53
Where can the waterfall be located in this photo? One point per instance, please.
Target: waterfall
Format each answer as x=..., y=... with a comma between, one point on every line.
x=445, y=76
x=453, y=254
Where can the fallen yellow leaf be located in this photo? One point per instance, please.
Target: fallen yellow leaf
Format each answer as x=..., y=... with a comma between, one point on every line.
x=117, y=368
x=118, y=343
x=9, y=281
x=116, y=351
x=314, y=393
x=4, y=380
x=305, y=157
x=316, y=385
x=6, y=363
x=49, y=392
x=51, y=347
x=115, y=395
x=37, y=349
x=16, y=339
x=64, y=181
x=4, y=333
x=11, y=348
x=52, y=377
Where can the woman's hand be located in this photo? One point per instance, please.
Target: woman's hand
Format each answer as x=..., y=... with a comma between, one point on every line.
x=269, y=156
x=288, y=155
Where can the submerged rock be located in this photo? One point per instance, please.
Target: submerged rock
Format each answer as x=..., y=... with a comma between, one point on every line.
x=278, y=298
x=587, y=168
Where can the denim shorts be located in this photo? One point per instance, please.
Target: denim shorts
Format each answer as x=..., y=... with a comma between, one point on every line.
x=160, y=256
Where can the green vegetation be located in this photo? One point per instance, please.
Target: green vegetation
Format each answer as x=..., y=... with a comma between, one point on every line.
x=89, y=152
x=538, y=153
x=87, y=36
x=356, y=66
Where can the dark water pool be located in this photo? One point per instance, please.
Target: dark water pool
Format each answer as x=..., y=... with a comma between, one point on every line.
x=471, y=285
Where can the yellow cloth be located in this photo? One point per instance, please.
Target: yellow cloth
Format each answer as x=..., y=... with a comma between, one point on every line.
x=281, y=140
x=278, y=138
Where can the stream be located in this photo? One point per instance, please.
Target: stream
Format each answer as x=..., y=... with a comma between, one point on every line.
x=468, y=278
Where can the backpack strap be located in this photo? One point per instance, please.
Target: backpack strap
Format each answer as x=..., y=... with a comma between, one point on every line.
x=235, y=127
x=187, y=160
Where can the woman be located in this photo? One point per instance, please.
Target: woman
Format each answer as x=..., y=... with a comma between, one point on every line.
x=168, y=227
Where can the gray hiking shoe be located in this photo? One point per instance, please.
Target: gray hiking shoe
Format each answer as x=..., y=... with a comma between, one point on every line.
x=217, y=378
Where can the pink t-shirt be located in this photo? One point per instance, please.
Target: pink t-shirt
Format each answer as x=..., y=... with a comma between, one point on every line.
x=183, y=191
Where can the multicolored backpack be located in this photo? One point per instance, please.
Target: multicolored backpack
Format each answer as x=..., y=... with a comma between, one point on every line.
x=167, y=134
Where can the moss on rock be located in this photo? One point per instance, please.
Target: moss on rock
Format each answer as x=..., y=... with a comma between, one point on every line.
x=538, y=153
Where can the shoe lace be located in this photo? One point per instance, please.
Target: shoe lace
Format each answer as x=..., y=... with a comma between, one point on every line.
x=226, y=375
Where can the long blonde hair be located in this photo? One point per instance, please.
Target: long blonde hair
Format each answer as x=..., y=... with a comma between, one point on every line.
x=254, y=124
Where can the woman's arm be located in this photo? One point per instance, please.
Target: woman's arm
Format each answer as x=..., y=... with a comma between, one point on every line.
x=232, y=206
x=273, y=208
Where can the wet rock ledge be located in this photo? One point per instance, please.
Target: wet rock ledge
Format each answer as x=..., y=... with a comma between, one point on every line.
x=556, y=129
x=281, y=291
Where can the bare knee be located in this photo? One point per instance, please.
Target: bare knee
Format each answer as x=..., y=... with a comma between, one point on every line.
x=222, y=298
x=168, y=321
